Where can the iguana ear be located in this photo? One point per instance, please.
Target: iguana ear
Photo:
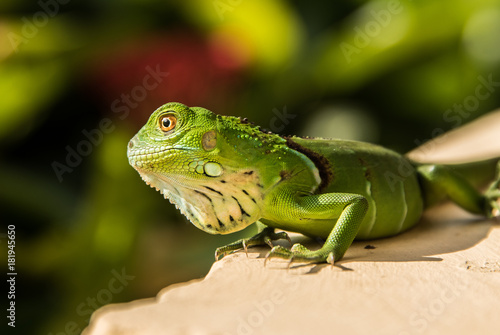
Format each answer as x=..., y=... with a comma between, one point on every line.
x=209, y=140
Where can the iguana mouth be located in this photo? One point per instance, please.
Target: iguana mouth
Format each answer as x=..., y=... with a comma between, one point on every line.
x=142, y=158
x=148, y=151
x=137, y=152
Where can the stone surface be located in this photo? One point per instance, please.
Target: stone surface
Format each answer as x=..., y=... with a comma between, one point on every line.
x=476, y=140
x=441, y=277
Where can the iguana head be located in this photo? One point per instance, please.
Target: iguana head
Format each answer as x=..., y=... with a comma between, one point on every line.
x=194, y=158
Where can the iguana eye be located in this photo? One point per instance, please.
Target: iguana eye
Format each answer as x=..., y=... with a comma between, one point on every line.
x=168, y=122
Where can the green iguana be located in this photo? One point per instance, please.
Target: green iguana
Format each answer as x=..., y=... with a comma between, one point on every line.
x=223, y=173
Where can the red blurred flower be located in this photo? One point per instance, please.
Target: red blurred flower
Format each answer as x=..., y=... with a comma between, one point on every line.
x=188, y=70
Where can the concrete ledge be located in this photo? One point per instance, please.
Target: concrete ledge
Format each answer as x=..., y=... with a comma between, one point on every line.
x=442, y=277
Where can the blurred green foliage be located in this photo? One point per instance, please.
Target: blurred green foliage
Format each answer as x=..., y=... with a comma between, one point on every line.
x=79, y=78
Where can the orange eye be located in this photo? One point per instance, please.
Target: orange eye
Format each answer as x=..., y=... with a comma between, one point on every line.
x=167, y=122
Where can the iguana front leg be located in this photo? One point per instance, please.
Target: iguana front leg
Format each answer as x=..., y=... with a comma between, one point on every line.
x=265, y=236
x=352, y=209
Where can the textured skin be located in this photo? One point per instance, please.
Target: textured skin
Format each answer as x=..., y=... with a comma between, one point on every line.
x=384, y=178
x=224, y=174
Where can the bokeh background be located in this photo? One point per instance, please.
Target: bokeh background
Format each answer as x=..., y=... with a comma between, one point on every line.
x=79, y=78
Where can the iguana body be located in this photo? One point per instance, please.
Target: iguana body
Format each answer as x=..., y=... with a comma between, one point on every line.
x=224, y=174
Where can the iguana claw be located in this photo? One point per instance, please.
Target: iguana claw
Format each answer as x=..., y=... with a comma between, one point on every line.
x=300, y=253
x=266, y=236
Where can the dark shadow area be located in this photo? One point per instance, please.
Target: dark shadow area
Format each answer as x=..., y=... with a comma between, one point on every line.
x=442, y=230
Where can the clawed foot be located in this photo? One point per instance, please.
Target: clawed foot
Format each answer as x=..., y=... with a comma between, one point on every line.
x=266, y=236
x=300, y=253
